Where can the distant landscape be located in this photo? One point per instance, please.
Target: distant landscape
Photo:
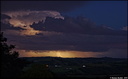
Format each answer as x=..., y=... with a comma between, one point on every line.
x=80, y=67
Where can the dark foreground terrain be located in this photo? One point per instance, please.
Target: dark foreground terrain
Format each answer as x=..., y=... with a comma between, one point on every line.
x=87, y=68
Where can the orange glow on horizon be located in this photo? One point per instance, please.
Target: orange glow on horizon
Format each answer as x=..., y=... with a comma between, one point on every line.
x=62, y=54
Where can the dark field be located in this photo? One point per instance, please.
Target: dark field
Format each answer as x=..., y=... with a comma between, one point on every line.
x=88, y=68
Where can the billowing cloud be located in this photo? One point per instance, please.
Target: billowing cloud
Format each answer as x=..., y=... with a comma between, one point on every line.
x=24, y=19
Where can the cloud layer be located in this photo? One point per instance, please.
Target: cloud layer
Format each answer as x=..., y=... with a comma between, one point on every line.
x=49, y=31
x=76, y=25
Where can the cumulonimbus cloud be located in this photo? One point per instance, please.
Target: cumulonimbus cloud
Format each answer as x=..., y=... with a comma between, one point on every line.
x=70, y=34
x=24, y=19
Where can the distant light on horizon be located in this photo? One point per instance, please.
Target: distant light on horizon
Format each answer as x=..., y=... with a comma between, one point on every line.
x=62, y=54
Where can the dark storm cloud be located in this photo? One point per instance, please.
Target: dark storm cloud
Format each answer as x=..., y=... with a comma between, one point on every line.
x=78, y=34
x=60, y=6
x=63, y=41
x=53, y=40
x=80, y=25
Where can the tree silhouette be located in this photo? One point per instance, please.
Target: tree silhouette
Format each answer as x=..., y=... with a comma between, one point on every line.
x=11, y=65
x=7, y=55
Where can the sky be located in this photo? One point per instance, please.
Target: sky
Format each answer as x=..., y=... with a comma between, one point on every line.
x=66, y=28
